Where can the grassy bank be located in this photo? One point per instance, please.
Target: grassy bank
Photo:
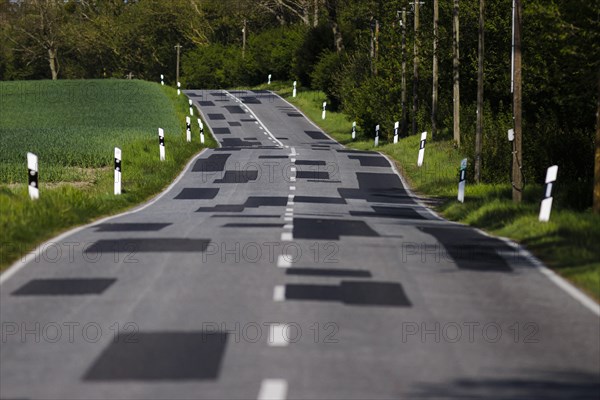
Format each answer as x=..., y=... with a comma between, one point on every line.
x=568, y=243
x=73, y=127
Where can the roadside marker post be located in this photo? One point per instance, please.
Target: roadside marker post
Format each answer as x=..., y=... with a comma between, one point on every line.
x=462, y=180
x=188, y=129
x=117, y=171
x=32, y=173
x=178, y=88
x=422, y=149
x=354, y=130
x=546, y=206
x=377, y=135
x=396, y=126
x=162, y=79
x=191, y=109
x=294, y=91
x=161, y=143
x=269, y=79
x=324, y=110
x=201, y=126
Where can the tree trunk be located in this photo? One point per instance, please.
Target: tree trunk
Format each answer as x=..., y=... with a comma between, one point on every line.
x=315, y=13
x=434, y=91
x=597, y=164
x=456, y=74
x=479, y=128
x=376, y=47
x=337, y=37
x=517, y=176
x=338, y=40
x=404, y=113
x=53, y=61
x=415, y=109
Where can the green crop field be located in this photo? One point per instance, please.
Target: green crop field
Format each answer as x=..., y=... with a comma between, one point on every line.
x=73, y=127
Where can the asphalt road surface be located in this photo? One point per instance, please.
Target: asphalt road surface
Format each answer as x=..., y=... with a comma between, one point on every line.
x=282, y=265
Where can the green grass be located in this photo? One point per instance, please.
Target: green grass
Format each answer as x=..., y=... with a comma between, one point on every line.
x=568, y=243
x=73, y=127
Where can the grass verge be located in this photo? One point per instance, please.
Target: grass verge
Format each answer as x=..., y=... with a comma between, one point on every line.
x=568, y=243
x=73, y=127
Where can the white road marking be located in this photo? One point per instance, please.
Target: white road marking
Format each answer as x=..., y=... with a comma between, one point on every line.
x=292, y=160
x=287, y=219
x=288, y=226
x=292, y=187
x=279, y=293
x=278, y=335
x=287, y=236
x=293, y=169
x=289, y=209
x=258, y=121
x=292, y=179
x=273, y=389
x=283, y=261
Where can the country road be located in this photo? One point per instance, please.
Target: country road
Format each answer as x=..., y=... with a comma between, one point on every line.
x=285, y=266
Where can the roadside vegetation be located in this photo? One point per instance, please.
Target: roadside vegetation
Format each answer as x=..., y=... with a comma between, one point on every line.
x=73, y=127
x=568, y=243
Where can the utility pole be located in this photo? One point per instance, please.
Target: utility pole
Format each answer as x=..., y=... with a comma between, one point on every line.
x=178, y=47
x=479, y=128
x=434, y=91
x=416, y=69
x=456, y=73
x=517, y=173
x=596, y=206
x=404, y=113
x=244, y=40
x=376, y=46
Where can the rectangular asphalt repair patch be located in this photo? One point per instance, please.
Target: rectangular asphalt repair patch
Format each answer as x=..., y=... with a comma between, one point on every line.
x=64, y=287
x=174, y=356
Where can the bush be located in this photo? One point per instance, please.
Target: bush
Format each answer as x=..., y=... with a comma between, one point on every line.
x=325, y=76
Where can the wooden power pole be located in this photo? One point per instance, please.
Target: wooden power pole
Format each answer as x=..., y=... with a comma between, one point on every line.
x=434, y=91
x=415, y=107
x=404, y=113
x=244, y=40
x=597, y=162
x=517, y=173
x=178, y=47
x=456, y=73
x=479, y=128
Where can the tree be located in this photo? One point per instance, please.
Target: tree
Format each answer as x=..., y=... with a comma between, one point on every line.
x=434, y=91
x=517, y=169
x=479, y=129
x=38, y=31
x=456, y=72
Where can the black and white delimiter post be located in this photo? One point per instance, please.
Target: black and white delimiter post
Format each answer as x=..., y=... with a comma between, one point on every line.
x=188, y=129
x=294, y=91
x=462, y=180
x=396, y=126
x=161, y=143
x=269, y=79
x=178, y=88
x=32, y=173
x=354, y=130
x=422, y=149
x=117, y=170
x=377, y=135
x=162, y=79
x=201, y=126
x=191, y=108
x=546, y=206
x=324, y=110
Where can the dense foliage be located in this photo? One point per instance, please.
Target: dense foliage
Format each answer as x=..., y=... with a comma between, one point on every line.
x=352, y=51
